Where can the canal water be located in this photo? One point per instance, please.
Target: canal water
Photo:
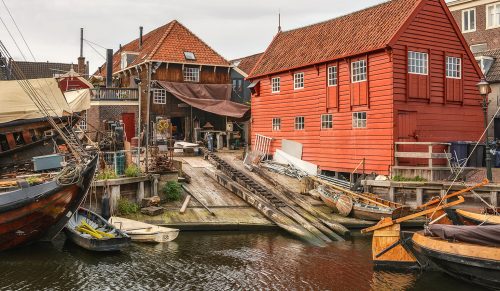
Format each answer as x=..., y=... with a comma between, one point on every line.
x=211, y=261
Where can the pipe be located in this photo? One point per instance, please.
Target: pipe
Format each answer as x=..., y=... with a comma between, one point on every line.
x=140, y=36
x=109, y=68
x=81, y=42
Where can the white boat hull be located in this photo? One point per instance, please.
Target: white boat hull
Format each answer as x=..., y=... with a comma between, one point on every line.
x=144, y=232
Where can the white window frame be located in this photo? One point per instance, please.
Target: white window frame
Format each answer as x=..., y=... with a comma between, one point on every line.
x=298, y=81
x=332, y=76
x=159, y=96
x=276, y=124
x=275, y=85
x=191, y=74
x=358, y=71
x=417, y=65
x=491, y=23
x=83, y=121
x=469, y=12
x=359, y=119
x=300, y=123
x=123, y=61
x=327, y=121
x=453, y=67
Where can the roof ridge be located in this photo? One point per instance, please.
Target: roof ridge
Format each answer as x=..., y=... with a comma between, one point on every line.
x=169, y=27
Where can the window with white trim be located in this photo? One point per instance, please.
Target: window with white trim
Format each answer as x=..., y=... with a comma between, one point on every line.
x=332, y=76
x=418, y=63
x=298, y=80
x=275, y=85
x=358, y=71
x=453, y=67
x=493, y=15
x=159, y=96
x=469, y=20
x=299, y=123
x=359, y=119
x=326, y=121
x=191, y=74
x=276, y=123
x=83, y=121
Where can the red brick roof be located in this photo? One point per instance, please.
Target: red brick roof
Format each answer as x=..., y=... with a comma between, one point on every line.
x=359, y=32
x=246, y=64
x=168, y=43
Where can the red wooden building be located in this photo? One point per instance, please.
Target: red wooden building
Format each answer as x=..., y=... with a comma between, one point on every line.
x=350, y=87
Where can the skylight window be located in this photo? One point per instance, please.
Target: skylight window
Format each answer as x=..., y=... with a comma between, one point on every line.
x=189, y=56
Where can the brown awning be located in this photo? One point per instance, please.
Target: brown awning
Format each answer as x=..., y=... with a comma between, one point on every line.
x=213, y=98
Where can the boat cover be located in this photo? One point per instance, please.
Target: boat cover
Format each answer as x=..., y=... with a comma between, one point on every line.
x=488, y=235
x=213, y=98
x=78, y=100
x=16, y=104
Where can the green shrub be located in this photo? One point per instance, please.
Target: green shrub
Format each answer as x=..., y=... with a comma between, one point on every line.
x=107, y=174
x=404, y=179
x=126, y=207
x=34, y=180
x=172, y=191
x=132, y=171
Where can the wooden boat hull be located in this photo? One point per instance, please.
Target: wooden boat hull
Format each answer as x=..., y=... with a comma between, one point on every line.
x=40, y=212
x=144, y=232
x=361, y=211
x=477, y=218
x=472, y=263
x=339, y=202
x=117, y=243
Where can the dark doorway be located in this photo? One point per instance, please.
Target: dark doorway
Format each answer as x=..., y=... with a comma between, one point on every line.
x=178, y=128
x=496, y=127
x=129, y=123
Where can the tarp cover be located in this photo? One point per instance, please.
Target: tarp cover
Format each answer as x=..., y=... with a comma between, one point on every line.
x=16, y=104
x=488, y=235
x=78, y=100
x=213, y=98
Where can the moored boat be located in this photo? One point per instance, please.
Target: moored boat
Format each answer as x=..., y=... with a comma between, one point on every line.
x=144, y=232
x=473, y=218
x=92, y=232
x=370, y=212
x=338, y=201
x=470, y=253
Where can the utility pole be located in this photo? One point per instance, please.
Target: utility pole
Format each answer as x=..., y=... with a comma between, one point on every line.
x=484, y=90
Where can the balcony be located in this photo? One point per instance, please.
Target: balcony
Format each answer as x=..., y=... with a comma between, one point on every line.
x=115, y=94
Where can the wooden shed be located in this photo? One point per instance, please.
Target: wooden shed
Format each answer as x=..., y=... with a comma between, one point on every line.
x=350, y=88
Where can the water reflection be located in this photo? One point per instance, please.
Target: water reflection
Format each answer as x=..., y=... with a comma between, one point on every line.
x=211, y=261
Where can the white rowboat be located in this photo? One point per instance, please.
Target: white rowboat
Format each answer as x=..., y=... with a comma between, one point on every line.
x=144, y=232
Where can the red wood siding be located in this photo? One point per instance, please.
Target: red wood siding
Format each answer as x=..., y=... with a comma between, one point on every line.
x=340, y=148
x=452, y=111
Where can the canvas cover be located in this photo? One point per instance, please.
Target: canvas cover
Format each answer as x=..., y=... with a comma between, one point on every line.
x=78, y=100
x=213, y=98
x=488, y=235
x=17, y=105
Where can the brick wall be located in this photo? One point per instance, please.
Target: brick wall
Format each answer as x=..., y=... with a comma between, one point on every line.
x=482, y=35
x=97, y=114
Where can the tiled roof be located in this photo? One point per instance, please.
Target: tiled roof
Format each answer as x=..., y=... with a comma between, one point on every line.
x=359, y=32
x=246, y=64
x=36, y=70
x=168, y=43
x=493, y=74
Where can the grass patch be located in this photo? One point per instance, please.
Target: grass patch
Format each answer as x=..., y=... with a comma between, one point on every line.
x=172, y=191
x=126, y=207
x=132, y=171
x=106, y=174
x=404, y=179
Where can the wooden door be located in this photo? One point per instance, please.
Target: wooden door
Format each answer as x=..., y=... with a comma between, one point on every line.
x=129, y=124
x=407, y=132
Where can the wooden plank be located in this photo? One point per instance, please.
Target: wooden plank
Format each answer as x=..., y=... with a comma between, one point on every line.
x=185, y=204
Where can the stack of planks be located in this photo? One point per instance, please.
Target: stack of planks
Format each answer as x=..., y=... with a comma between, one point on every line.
x=291, y=213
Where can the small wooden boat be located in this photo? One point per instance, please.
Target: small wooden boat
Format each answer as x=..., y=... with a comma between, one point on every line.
x=338, y=201
x=370, y=212
x=477, y=262
x=105, y=238
x=144, y=232
x=472, y=218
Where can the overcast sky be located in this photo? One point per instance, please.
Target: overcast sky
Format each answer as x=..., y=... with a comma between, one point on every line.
x=233, y=28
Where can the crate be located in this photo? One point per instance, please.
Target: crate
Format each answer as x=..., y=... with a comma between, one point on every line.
x=48, y=162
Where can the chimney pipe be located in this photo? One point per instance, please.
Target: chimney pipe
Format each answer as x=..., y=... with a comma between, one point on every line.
x=140, y=36
x=81, y=42
x=109, y=68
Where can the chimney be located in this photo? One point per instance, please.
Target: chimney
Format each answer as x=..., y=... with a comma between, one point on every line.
x=109, y=68
x=140, y=37
x=81, y=59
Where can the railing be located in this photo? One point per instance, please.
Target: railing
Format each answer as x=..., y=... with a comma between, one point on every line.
x=429, y=154
x=127, y=94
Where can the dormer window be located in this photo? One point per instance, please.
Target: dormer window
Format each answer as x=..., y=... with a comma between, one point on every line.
x=190, y=56
x=485, y=63
x=127, y=58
